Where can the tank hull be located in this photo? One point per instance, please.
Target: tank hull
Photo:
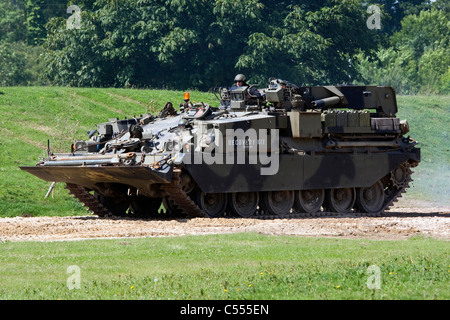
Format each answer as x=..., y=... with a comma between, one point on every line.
x=301, y=172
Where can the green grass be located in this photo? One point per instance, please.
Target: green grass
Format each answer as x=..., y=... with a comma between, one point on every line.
x=32, y=115
x=429, y=119
x=239, y=266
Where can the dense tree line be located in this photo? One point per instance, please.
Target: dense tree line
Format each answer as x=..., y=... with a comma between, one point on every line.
x=199, y=44
x=418, y=58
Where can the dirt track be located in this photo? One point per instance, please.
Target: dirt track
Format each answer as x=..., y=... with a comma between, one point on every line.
x=401, y=222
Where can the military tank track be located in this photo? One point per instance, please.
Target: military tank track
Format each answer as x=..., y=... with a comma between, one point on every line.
x=180, y=204
x=395, y=189
x=88, y=200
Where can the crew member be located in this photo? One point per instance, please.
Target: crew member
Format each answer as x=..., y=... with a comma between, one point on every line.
x=240, y=82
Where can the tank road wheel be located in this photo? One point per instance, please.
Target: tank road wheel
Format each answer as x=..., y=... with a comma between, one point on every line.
x=340, y=200
x=370, y=199
x=187, y=183
x=117, y=206
x=309, y=201
x=213, y=204
x=145, y=206
x=243, y=204
x=278, y=202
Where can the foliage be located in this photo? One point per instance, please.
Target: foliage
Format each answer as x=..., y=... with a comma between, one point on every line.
x=148, y=43
x=38, y=13
x=427, y=30
x=12, y=20
x=22, y=32
x=83, y=65
x=394, y=11
x=312, y=45
x=200, y=44
x=418, y=60
x=21, y=64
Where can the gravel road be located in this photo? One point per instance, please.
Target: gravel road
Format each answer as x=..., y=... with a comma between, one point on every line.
x=401, y=222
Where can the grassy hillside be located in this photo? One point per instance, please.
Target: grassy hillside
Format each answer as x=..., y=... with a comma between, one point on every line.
x=32, y=115
x=429, y=119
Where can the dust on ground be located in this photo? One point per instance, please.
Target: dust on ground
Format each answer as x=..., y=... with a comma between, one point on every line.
x=401, y=222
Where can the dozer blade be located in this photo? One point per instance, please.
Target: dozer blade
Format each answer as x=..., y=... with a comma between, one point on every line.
x=138, y=177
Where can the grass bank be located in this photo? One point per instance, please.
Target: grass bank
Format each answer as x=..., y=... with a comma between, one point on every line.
x=429, y=117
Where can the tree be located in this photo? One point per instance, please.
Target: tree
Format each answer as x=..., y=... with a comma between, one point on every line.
x=75, y=56
x=149, y=43
x=395, y=10
x=423, y=31
x=12, y=20
x=418, y=60
x=20, y=64
x=200, y=44
x=38, y=13
x=313, y=45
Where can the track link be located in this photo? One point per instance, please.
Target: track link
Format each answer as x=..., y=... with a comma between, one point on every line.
x=88, y=200
x=395, y=191
x=180, y=200
x=187, y=208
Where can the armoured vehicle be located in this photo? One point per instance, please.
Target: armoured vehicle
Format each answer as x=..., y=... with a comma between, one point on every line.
x=295, y=151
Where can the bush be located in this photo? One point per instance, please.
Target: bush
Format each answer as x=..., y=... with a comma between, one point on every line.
x=417, y=62
x=21, y=64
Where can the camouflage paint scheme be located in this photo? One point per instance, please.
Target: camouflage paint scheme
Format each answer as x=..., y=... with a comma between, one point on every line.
x=320, y=148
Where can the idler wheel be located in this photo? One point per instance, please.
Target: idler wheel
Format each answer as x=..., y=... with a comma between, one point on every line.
x=309, y=201
x=400, y=175
x=187, y=183
x=370, y=199
x=213, y=204
x=243, y=204
x=278, y=202
x=340, y=200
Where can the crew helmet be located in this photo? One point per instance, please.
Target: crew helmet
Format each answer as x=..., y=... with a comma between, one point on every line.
x=239, y=77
